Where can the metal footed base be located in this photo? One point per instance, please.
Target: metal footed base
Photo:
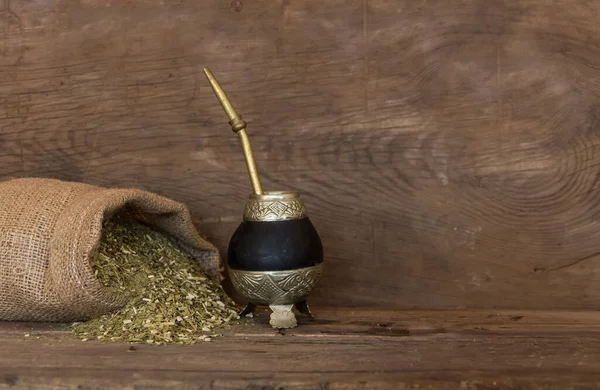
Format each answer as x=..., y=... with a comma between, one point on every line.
x=303, y=308
x=248, y=310
x=282, y=316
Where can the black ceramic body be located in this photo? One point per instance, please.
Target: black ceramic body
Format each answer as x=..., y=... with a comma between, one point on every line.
x=275, y=246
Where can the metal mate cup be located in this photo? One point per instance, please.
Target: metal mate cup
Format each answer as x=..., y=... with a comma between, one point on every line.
x=275, y=256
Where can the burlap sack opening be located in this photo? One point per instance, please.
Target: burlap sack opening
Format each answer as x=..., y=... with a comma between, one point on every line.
x=49, y=229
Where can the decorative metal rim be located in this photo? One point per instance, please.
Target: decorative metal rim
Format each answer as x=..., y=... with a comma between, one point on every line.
x=281, y=273
x=276, y=195
x=274, y=206
x=276, y=287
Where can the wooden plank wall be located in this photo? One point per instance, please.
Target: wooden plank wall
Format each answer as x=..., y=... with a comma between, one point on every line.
x=447, y=151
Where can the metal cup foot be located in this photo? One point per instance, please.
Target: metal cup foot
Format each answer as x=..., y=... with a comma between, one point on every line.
x=303, y=308
x=248, y=311
x=282, y=317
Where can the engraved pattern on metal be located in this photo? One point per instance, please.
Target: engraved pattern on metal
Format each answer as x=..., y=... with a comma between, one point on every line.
x=282, y=317
x=276, y=287
x=278, y=210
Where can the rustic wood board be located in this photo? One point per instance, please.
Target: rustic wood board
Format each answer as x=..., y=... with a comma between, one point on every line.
x=447, y=151
x=341, y=349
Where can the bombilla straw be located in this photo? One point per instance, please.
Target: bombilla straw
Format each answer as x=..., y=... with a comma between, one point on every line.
x=238, y=126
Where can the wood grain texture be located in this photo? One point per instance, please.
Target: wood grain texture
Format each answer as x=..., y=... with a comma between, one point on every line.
x=341, y=349
x=447, y=151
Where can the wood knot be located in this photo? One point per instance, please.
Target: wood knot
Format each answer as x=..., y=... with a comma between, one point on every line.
x=237, y=5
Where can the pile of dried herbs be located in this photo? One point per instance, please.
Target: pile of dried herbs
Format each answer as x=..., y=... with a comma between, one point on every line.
x=171, y=298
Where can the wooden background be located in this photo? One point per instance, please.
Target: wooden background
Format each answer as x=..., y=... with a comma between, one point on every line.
x=448, y=151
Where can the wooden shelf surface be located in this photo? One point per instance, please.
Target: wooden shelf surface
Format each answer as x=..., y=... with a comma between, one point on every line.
x=339, y=349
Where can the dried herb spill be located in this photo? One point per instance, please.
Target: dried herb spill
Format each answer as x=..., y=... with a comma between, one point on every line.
x=171, y=298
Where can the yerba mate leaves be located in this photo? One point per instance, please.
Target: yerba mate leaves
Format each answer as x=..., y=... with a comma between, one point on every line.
x=171, y=298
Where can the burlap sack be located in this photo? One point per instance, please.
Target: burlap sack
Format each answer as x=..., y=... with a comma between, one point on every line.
x=49, y=230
